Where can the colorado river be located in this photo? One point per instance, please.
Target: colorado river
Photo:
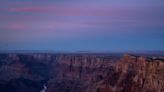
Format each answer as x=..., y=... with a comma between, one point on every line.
x=44, y=88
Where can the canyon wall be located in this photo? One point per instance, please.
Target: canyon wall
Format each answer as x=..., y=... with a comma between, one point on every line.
x=81, y=73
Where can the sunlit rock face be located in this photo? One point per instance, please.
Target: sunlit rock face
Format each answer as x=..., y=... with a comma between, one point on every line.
x=80, y=73
x=146, y=74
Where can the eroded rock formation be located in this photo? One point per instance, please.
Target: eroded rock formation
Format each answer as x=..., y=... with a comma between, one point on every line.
x=80, y=73
x=91, y=74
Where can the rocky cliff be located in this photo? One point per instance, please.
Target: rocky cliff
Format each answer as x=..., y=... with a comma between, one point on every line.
x=80, y=73
x=91, y=74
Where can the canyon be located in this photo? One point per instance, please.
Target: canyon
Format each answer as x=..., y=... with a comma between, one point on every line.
x=81, y=73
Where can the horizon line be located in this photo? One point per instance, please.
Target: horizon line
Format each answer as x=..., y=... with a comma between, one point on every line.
x=55, y=51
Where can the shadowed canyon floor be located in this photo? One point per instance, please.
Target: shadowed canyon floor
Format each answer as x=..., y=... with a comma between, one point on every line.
x=81, y=73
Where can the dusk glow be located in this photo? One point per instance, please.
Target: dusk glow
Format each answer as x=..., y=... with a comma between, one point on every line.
x=82, y=25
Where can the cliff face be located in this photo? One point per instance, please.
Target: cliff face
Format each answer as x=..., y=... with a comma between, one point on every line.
x=77, y=72
x=82, y=67
x=91, y=74
x=80, y=73
x=148, y=73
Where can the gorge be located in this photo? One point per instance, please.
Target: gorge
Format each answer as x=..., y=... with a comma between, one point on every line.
x=38, y=72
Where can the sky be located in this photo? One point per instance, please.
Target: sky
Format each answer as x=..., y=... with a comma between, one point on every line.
x=82, y=25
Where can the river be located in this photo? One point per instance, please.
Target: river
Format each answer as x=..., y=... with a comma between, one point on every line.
x=44, y=88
